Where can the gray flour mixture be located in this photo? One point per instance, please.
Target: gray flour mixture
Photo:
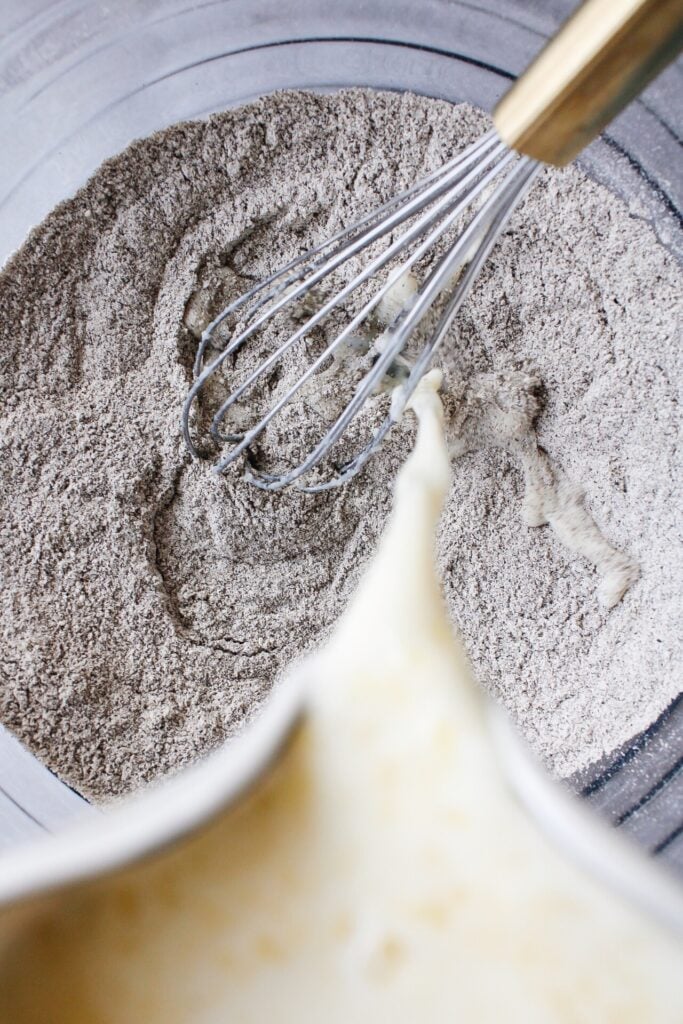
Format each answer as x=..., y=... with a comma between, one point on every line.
x=147, y=606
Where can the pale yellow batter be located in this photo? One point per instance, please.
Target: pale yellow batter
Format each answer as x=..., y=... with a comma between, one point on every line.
x=383, y=873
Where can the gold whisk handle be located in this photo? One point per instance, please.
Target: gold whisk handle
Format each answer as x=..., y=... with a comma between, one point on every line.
x=601, y=58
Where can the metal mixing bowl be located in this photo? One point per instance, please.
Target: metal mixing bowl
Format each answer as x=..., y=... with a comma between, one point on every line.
x=79, y=80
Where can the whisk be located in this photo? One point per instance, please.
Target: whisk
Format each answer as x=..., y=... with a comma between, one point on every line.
x=602, y=57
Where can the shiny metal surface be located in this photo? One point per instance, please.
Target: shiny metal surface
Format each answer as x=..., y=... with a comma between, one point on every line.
x=425, y=214
x=80, y=79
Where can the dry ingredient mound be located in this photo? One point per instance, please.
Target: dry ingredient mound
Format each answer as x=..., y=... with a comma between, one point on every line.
x=147, y=606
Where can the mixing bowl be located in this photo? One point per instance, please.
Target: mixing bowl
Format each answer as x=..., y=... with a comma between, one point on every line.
x=79, y=80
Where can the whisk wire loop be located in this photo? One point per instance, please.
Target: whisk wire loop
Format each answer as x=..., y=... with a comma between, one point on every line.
x=318, y=263
x=449, y=207
x=461, y=160
x=491, y=220
x=433, y=206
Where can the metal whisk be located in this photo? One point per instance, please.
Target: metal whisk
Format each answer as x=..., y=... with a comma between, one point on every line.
x=595, y=65
x=439, y=199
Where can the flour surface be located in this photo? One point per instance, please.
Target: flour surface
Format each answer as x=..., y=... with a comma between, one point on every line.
x=146, y=606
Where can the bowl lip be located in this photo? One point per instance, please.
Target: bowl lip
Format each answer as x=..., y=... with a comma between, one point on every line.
x=612, y=858
x=137, y=826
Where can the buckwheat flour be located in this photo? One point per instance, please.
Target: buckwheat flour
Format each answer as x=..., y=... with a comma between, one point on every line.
x=147, y=606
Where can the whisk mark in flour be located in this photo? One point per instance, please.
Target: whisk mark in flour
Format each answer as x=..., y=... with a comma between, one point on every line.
x=499, y=410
